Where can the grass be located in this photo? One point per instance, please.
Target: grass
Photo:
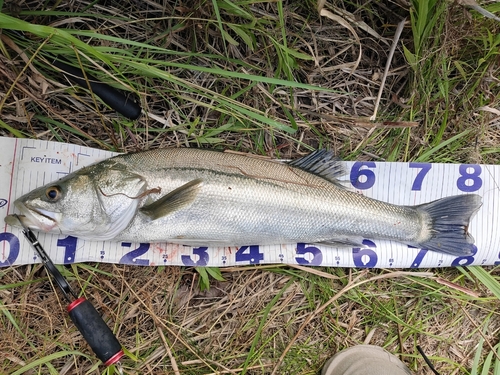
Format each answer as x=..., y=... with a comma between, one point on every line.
x=275, y=79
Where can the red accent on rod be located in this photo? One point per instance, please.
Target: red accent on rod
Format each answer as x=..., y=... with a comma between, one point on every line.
x=75, y=303
x=114, y=358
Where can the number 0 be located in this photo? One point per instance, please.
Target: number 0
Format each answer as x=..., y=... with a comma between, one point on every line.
x=14, y=248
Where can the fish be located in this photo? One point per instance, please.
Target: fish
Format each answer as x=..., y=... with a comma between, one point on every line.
x=203, y=197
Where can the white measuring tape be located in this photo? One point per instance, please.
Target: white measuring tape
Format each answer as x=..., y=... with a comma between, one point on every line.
x=26, y=164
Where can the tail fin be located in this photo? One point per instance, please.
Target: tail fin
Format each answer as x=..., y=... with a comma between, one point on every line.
x=449, y=223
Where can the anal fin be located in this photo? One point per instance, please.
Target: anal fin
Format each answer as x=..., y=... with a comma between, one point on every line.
x=344, y=242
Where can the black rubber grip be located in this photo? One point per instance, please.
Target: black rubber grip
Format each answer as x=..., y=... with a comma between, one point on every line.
x=112, y=97
x=95, y=331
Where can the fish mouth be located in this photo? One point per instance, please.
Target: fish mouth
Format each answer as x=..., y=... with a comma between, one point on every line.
x=33, y=218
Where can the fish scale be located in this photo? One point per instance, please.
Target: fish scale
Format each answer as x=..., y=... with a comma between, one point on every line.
x=201, y=197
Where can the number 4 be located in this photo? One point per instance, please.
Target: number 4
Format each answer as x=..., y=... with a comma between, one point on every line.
x=249, y=253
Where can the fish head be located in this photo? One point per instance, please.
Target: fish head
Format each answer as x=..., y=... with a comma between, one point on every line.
x=96, y=203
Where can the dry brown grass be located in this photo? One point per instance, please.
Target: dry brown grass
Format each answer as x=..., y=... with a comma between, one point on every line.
x=162, y=317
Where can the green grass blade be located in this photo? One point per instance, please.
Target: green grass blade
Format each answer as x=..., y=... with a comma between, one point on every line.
x=11, y=319
x=58, y=36
x=215, y=273
x=426, y=156
x=487, y=279
x=46, y=360
x=262, y=322
x=486, y=364
x=16, y=133
x=141, y=67
x=496, y=367
x=219, y=23
x=479, y=350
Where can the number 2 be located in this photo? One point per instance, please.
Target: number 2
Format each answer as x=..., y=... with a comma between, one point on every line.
x=131, y=256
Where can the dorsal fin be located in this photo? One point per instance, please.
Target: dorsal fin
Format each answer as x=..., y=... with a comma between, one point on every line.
x=322, y=163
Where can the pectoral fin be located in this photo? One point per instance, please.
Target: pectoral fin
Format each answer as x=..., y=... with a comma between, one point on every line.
x=176, y=199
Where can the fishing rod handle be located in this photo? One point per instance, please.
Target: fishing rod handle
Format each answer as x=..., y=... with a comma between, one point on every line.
x=95, y=331
x=112, y=97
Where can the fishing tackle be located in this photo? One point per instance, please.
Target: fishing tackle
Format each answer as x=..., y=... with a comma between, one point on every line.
x=112, y=97
x=83, y=314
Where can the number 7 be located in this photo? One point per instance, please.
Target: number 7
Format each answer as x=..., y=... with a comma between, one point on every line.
x=425, y=168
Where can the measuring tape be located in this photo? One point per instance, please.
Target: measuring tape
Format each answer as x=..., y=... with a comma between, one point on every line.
x=26, y=164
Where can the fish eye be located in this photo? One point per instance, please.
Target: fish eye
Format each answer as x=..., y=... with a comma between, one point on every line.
x=53, y=193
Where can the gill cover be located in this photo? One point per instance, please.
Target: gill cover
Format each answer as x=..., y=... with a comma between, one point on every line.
x=118, y=195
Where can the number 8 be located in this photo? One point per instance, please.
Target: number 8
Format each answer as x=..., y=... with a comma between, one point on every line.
x=465, y=176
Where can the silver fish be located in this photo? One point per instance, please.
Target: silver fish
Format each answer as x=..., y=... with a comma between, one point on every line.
x=201, y=197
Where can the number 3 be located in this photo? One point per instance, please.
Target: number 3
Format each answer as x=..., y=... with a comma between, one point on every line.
x=202, y=254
